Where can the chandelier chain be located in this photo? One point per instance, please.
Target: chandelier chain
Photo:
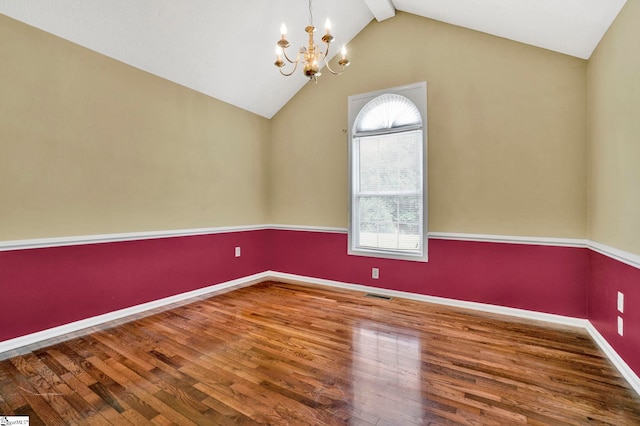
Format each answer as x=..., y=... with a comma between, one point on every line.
x=310, y=14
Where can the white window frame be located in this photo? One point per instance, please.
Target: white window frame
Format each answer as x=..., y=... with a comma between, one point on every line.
x=416, y=93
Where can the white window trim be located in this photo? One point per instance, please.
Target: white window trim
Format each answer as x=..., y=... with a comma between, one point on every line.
x=416, y=93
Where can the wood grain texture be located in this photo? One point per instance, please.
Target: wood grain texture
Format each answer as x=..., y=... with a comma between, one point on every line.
x=282, y=354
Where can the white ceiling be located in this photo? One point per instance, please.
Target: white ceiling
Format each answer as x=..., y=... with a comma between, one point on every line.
x=225, y=48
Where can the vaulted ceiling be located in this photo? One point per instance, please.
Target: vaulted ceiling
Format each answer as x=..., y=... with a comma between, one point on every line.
x=225, y=48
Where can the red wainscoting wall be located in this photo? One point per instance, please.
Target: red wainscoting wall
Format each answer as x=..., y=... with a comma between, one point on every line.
x=538, y=278
x=607, y=276
x=47, y=287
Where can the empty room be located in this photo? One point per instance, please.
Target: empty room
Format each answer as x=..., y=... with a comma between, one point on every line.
x=364, y=212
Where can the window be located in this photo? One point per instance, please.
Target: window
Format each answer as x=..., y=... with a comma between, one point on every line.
x=387, y=173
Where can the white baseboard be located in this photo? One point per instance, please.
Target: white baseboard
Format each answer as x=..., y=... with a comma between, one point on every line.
x=521, y=313
x=613, y=356
x=626, y=371
x=77, y=326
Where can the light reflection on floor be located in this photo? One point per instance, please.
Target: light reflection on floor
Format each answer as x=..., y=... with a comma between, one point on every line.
x=389, y=360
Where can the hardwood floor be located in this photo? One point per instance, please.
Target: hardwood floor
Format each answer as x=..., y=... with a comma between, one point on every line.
x=278, y=353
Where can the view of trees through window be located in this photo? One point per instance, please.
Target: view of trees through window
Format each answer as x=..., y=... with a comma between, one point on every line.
x=389, y=195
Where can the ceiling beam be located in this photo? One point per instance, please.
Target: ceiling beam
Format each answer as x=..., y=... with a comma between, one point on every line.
x=381, y=9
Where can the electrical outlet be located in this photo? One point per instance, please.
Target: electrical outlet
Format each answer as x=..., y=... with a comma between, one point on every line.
x=620, y=326
x=620, y=302
x=375, y=273
x=237, y=251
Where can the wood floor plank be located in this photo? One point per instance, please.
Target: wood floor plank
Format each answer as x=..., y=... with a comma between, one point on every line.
x=102, y=409
x=277, y=353
x=35, y=402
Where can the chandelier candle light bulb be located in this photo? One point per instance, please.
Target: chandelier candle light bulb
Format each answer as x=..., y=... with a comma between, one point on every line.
x=311, y=56
x=279, y=62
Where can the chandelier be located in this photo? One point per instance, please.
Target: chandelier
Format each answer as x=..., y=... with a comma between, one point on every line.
x=311, y=56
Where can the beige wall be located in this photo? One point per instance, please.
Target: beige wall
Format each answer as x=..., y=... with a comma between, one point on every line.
x=614, y=134
x=89, y=145
x=507, y=132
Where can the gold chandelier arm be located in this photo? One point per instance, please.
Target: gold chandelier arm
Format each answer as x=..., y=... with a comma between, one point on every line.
x=332, y=71
x=295, y=67
x=344, y=62
x=284, y=52
x=326, y=52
